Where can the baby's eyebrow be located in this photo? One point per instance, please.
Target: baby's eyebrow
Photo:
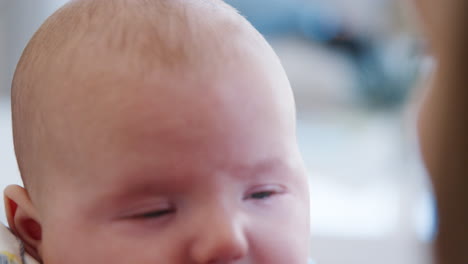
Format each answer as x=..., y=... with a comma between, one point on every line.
x=147, y=182
x=266, y=167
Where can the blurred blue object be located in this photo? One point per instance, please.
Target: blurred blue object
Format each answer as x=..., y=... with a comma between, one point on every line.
x=385, y=70
x=279, y=17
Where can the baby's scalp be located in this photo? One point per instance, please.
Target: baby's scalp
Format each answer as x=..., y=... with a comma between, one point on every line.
x=87, y=42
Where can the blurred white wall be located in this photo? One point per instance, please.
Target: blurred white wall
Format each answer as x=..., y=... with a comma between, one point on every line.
x=8, y=169
x=3, y=52
x=19, y=19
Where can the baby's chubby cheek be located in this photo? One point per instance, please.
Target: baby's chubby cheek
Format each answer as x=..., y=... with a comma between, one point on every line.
x=282, y=236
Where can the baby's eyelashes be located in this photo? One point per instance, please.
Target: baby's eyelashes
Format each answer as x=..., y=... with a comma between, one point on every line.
x=261, y=195
x=155, y=214
x=148, y=210
x=264, y=192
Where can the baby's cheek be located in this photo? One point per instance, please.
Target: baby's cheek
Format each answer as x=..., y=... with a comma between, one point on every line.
x=96, y=242
x=283, y=237
x=85, y=247
x=280, y=245
x=69, y=242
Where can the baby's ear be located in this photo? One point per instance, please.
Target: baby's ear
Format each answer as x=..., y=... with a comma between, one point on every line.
x=23, y=218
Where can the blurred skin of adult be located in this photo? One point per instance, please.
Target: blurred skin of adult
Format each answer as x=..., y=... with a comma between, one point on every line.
x=443, y=123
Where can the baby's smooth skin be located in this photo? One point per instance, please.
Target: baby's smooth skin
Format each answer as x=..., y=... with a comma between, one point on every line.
x=156, y=132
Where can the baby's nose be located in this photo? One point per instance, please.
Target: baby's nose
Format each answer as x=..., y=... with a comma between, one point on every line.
x=221, y=240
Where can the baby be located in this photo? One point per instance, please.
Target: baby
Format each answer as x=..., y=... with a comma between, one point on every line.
x=156, y=131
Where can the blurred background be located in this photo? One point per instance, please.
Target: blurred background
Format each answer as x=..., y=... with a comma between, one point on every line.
x=356, y=68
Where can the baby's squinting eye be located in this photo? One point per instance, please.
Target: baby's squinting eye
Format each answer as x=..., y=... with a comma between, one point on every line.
x=261, y=195
x=264, y=192
x=155, y=214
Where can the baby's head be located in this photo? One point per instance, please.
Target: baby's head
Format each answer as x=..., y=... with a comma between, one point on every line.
x=156, y=132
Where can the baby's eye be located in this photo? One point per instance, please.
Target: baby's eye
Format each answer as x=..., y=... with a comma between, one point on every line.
x=261, y=195
x=155, y=214
x=264, y=192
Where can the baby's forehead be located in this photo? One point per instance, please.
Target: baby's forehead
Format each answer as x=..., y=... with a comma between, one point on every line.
x=185, y=135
